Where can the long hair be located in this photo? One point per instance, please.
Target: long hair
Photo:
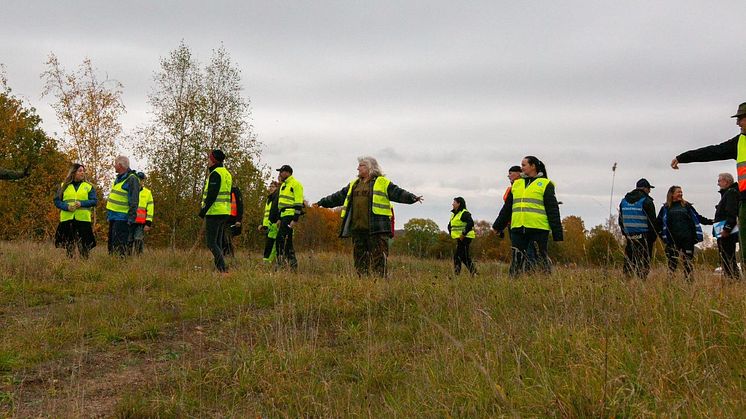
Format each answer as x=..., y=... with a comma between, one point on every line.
x=669, y=196
x=372, y=165
x=69, y=178
x=461, y=203
x=540, y=167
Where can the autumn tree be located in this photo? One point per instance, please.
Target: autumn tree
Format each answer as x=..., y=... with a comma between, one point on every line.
x=194, y=110
x=88, y=109
x=573, y=248
x=488, y=245
x=28, y=211
x=419, y=235
x=319, y=230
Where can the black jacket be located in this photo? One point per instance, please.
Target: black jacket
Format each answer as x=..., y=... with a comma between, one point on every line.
x=378, y=223
x=648, y=207
x=727, y=208
x=680, y=224
x=724, y=151
x=550, y=206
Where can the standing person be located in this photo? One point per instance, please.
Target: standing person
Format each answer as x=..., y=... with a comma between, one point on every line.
x=461, y=229
x=682, y=229
x=639, y=226
x=290, y=204
x=366, y=214
x=735, y=148
x=514, y=173
x=234, y=222
x=144, y=219
x=726, y=213
x=269, y=222
x=532, y=212
x=216, y=206
x=76, y=199
x=121, y=206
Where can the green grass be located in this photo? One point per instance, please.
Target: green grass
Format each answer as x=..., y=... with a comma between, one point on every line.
x=163, y=335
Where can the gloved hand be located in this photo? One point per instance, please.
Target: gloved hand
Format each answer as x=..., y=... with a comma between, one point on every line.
x=501, y=234
x=202, y=213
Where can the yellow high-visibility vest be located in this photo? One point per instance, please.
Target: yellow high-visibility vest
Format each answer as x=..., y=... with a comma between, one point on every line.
x=145, y=207
x=118, y=200
x=381, y=204
x=741, y=163
x=458, y=226
x=291, y=197
x=222, y=204
x=71, y=195
x=528, y=204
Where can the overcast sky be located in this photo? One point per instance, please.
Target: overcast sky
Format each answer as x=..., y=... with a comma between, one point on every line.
x=447, y=95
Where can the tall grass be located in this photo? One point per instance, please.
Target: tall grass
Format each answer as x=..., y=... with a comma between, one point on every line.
x=327, y=343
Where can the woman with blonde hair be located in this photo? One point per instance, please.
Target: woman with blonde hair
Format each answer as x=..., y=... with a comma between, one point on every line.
x=682, y=229
x=75, y=199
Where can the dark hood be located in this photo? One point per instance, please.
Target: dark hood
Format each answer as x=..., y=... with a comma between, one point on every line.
x=636, y=195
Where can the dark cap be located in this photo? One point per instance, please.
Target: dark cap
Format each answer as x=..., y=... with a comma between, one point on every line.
x=141, y=175
x=741, y=111
x=218, y=155
x=515, y=169
x=643, y=183
x=285, y=168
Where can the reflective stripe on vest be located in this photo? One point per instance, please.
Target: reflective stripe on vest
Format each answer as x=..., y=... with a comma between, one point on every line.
x=741, y=163
x=71, y=195
x=634, y=219
x=528, y=204
x=267, y=208
x=118, y=200
x=145, y=207
x=458, y=226
x=222, y=204
x=234, y=205
x=380, y=204
x=291, y=197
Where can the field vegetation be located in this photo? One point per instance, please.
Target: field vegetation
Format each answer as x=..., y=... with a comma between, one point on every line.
x=163, y=335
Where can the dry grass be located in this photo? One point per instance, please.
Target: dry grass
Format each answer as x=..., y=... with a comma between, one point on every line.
x=164, y=336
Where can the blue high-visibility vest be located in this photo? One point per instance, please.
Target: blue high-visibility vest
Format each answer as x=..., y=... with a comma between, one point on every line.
x=634, y=219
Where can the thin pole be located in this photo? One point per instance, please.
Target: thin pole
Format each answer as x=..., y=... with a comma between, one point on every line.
x=611, y=197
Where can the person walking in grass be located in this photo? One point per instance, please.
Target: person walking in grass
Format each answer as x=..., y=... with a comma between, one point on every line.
x=532, y=211
x=75, y=199
x=216, y=206
x=681, y=229
x=735, y=148
x=269, y=222
x=461, y=229
x=640, y=228
x=366, y=214
x=290, y=204
x=726, y=225
x=121, y=206
x=144, y=219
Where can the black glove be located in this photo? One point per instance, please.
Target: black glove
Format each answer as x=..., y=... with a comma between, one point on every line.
x=202, y=213
x=501, y=234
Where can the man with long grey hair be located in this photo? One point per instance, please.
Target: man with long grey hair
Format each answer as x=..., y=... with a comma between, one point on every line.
x=366, y=214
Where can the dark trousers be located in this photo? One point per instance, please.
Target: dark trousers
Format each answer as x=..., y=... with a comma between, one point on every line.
x=285, y=250
x=228, y=249
x=214, y=230
x=119, y=238
x=685, y=252
x=728, y=259
x=370, y=252
x=138, y=238
x=522, y=240
x=638, y=252
x=73, y=233
x=462, y=255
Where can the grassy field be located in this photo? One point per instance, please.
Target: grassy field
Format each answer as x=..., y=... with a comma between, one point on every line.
x=164, y=336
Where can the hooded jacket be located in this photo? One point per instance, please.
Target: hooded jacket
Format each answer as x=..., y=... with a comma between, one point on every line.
x=648, y=207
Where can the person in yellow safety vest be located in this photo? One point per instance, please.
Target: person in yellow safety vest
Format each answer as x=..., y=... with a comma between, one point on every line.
x=290, y=203
x=76, y=199
x=144, y=219
x=121, y=206
x=233, y=224
x=461, y=229
x=532, y=211
x=366, y=214
x=735, y=148
x=216, y=206
x=269, y=222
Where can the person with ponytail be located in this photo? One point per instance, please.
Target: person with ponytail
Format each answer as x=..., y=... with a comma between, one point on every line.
x=75, y=199
x=532, y=210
